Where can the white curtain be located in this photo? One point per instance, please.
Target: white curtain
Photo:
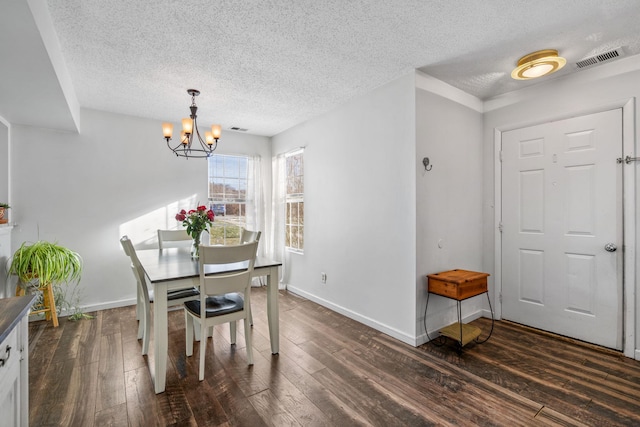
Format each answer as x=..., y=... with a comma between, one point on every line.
x=276, y=247
x=255, y=200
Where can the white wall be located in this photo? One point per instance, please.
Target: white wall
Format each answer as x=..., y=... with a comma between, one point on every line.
x=85, y=190
x=583, y=92
x=5, y=229
x=4, y=162
x=448, y=202
x=360, y=208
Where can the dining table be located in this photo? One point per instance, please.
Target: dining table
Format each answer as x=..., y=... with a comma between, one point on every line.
x=174, y=268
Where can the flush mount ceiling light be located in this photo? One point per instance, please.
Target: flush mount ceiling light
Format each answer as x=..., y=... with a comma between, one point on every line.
x=188, y=145
x=538, y=64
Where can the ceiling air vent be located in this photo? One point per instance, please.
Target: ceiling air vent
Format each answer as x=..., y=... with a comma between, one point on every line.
x=238, y=129
x=599, y=59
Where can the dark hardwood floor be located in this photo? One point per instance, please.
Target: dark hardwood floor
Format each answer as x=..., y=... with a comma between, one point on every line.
x=331, y=371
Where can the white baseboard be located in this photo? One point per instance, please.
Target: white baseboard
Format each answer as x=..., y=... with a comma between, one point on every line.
x=108, y=305
x=399, y=335
x=90, y=308
x=637, y=356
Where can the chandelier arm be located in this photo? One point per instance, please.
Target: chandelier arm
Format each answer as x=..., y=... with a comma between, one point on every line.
x=202, y=143
x=205, y=147
x=173, y=148
x=186, y=147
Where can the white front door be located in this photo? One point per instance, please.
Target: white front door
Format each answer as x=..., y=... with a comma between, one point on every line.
x=561, y=207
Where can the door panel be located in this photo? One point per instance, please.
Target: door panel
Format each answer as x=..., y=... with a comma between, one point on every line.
x=561, y=204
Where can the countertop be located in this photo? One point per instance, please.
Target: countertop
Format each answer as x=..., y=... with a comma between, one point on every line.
x=11, y=311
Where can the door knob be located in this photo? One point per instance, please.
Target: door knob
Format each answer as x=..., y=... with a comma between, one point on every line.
x=610, y=247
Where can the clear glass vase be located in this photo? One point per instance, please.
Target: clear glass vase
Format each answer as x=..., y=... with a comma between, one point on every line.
x=195, y=247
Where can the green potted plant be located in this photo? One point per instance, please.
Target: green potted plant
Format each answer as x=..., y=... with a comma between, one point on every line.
x=47, y=266
x=3, y=208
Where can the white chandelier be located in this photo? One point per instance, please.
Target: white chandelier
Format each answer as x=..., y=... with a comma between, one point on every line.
x=189, y=146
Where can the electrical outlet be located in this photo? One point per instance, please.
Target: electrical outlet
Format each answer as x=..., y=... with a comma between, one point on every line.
x=323, y=277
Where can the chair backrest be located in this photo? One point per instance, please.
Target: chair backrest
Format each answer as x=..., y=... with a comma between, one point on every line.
x=172, y=238
x=247, y=236
x=129, y=250
x=136, y=266
x=238, y=279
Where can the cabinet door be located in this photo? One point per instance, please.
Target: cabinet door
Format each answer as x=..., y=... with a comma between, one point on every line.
x=10, y=399
x=10, y=381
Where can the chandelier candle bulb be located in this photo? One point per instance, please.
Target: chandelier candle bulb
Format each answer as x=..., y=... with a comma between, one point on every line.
x=167, y=130
x=208, y=136
x=187, y=126
x=216, y=130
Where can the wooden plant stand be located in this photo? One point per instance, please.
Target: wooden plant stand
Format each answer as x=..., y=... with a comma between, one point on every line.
x=48, y=303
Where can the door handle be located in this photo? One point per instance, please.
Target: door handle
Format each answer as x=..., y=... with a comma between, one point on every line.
x=3, y=361
x=610, y=247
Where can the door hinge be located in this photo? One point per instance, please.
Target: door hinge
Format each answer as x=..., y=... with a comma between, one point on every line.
x=500, y=226
x=500, y=297
x=500, y=156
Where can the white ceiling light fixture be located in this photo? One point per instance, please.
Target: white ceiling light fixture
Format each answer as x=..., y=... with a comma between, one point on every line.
x=538, y=64
x=186, y=147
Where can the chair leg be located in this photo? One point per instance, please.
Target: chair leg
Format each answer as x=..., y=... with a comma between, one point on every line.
x=203, y=348
x=138, y=304
x=248, y=339
x=140, y=328
x=188, y=320
x=146, y=334
x=140, y=313
x=232, y=331
x=196, y=326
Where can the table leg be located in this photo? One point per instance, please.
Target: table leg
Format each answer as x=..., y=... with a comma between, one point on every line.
x=493, y=320
x=460, y=323
x=272, y=309
x=160, y=337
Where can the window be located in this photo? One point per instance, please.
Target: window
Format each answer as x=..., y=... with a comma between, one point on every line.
x=294, y=213
x=228, y=182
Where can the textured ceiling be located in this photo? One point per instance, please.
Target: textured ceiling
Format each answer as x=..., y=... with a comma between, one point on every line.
x=269, y=65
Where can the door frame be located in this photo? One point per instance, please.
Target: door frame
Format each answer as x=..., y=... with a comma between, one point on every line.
x=628, y=213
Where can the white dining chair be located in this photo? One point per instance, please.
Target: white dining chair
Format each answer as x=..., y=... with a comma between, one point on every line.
x=145, y=295
x=224, y=297
x=247, y=236
x=173, y=239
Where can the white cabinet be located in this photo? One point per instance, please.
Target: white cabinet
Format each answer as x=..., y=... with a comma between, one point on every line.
x=14, y=361
x=10, y=380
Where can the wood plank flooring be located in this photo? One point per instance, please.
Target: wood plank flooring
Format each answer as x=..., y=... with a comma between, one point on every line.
x=331, y=371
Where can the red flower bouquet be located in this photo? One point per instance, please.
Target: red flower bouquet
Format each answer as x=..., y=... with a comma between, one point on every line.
x=196, y=221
